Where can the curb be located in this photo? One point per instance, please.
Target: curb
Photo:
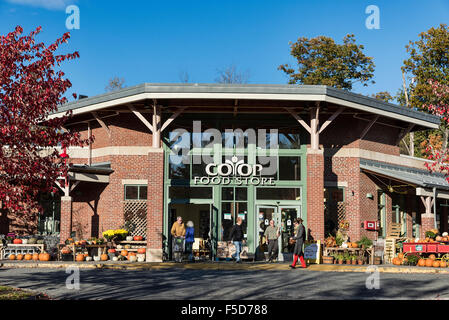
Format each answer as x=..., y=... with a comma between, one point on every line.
x=224, y=267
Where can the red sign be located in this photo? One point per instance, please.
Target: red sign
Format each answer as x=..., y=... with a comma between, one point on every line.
x=370, y=225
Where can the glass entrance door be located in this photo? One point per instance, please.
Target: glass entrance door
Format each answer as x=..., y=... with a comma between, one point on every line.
x=283, y=217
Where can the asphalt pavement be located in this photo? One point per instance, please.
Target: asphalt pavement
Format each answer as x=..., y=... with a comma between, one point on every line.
x=181, y=284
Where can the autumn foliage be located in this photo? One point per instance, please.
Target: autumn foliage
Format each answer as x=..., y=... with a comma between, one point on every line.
x=31, y=87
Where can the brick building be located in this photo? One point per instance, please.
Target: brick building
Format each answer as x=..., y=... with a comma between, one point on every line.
x=323, y=154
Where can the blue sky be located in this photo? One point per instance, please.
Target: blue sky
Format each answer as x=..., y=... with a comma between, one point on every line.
x=156, y=41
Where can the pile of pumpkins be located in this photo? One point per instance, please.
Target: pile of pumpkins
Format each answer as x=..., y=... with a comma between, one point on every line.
x=44, y=256
x=123, y=255
x=432, y=262
x=352, y=244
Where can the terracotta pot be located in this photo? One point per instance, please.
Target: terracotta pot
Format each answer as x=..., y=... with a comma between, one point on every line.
x=360, y=261
x=340, y=261
x=348, y=261
x=354, y=261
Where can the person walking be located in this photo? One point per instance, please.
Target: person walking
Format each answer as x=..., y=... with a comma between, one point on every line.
x=299, y=237
x=190, y=239
x=272, y=234
x=236, y=237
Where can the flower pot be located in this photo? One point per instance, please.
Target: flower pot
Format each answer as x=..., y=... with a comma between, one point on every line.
x=348, y=261
x=360, y=262
x=354, y=261
x=340, y=261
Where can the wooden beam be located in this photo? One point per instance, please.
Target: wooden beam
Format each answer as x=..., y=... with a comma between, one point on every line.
x=74, y=185
x=314, y=123
x=404, y=132
x=236, y=102
x=101, y=122
x=299, y=119
x=172, y=118
x=331, y=118
x=368, y=127
x=156, y=125
x=142, y=118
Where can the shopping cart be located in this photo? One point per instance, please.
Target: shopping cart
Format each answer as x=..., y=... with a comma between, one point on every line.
x=178, y=245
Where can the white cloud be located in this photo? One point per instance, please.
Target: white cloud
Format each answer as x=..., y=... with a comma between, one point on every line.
x=47, y=4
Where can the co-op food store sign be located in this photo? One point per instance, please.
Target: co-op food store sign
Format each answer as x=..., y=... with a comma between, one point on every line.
x=235, y=171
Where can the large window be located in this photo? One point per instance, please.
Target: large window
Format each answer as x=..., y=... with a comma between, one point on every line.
x=233, y=205
x=278, y=194
x=180, y=192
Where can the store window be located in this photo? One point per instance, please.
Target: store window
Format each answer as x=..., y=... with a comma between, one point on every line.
x=278, y=193
x=180, y=192
x=333, y=202
x=136, y=192
x=233, y=205
x=289, y=168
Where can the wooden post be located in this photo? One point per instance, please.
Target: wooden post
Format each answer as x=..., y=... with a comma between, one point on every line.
x=156, y=126
x=314, y=122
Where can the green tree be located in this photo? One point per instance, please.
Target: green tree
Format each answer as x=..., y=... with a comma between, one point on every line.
x=428, y=60
x=383, y=95
x=321, y=61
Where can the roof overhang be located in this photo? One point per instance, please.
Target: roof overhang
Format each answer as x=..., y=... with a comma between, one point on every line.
x=97, y=174
x=293, y=93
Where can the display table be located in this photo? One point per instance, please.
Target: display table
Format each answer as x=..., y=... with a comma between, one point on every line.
x=135, y=245
x=329, y=250
x=75, y=248
x=225, y=250
x=10, y=248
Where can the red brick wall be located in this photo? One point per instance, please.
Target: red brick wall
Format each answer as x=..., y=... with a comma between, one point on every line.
x=155, y=204
x=315, y=196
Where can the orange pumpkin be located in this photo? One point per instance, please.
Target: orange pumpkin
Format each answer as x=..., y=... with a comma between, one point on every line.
x=429, y=263
x=80, y=257
x=112, y=251
x=443, y=264
x=141, y=250
x=28, y=256
x=131, y=253
x=124, y=253
x=138, y=238
x=401, y=255
x=396, y=261
x=436, y=264
x=20, y=256
x=35, y=256
x=44, y=256
x=104, y=257
x=17, y=241
x=12, y=257
x=432, y=257
x=422, y=262
x=355, y=245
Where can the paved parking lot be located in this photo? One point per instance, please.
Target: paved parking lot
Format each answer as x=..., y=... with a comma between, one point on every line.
x=180, y=284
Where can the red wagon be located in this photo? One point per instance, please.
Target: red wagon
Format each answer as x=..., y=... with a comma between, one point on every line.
x=429, y=248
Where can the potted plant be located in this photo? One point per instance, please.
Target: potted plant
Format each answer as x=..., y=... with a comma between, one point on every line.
x=365, y=242
x=347, y=258
x=328, y=259
x=360, y=258
x=353, y=259
x=340, y=258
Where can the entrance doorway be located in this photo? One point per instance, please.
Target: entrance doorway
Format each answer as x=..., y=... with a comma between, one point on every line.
x=202, y=217
x=283, y=217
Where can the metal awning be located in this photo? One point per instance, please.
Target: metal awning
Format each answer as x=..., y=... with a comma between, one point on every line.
x=416, y=177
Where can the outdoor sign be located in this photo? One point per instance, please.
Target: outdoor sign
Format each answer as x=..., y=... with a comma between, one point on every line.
x=312, y=251
x=235, y=171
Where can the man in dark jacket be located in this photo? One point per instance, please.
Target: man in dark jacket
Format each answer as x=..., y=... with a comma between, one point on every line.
x=300, y=237
x=236, y=236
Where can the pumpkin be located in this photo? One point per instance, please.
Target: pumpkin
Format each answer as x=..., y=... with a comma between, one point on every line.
x=138, y=238
x=17, y=241
x=131, y=253
x=432, y=257
x=28, y=256
x=436, y=264
x=438, y=238
x=396, y=261
x=443, y=264
x=44, y=256
x=112, y=251
x=104, y=257
x=141, y=250
x=429, y=263
x=124, y=253
x=35, y=256
x=355, y=245
x=422, y=262
x=400, y=255
x=80, y=257
x=445, y=239
x=12, y=257
x=20, y=256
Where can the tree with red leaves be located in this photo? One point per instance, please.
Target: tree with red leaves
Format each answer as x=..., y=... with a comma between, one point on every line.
x=30, y=89
x=437, y=145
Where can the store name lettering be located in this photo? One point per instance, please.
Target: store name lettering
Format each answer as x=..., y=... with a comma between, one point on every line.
x=235, y=171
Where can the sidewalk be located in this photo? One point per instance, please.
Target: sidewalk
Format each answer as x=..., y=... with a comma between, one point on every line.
x=248, y=266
